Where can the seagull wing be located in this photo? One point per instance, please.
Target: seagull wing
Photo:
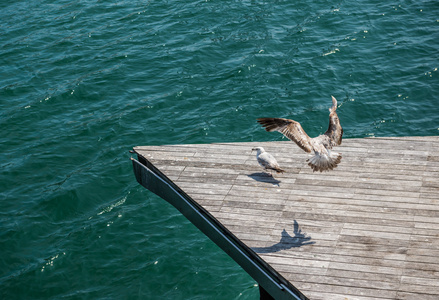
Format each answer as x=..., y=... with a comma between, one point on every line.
x=263, y=162
x=269, y=160
x=334, y=132
x=289, y=128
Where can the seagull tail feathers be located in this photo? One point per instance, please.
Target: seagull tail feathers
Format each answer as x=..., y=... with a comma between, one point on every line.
x=279, y=170
x=324, y=162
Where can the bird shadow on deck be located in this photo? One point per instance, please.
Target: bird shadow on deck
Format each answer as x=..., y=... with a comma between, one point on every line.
x=264, y=177
x=287, y=241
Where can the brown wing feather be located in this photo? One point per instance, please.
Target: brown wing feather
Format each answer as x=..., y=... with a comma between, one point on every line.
x=290, y=128
x=334, y=132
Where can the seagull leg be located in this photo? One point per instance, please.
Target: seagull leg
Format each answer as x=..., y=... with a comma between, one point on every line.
x=268, y=172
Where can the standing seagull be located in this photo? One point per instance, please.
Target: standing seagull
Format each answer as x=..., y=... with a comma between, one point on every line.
x=323, y=159
x=267, y=161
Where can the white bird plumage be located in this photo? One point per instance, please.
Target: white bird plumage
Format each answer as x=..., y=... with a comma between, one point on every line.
x=266, y=160
x=324, y=158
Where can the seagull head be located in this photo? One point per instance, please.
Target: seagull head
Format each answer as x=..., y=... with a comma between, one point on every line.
x=259, y=150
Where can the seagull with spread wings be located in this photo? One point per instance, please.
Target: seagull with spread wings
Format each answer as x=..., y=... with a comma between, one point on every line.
x=324, y=158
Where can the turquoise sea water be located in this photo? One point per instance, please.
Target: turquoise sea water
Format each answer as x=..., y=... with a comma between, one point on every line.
x=82, y=82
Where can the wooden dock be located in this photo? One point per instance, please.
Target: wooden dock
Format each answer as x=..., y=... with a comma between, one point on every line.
x=367, y=230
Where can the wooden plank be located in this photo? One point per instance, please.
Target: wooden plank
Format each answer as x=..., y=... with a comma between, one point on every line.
x=366, y=230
